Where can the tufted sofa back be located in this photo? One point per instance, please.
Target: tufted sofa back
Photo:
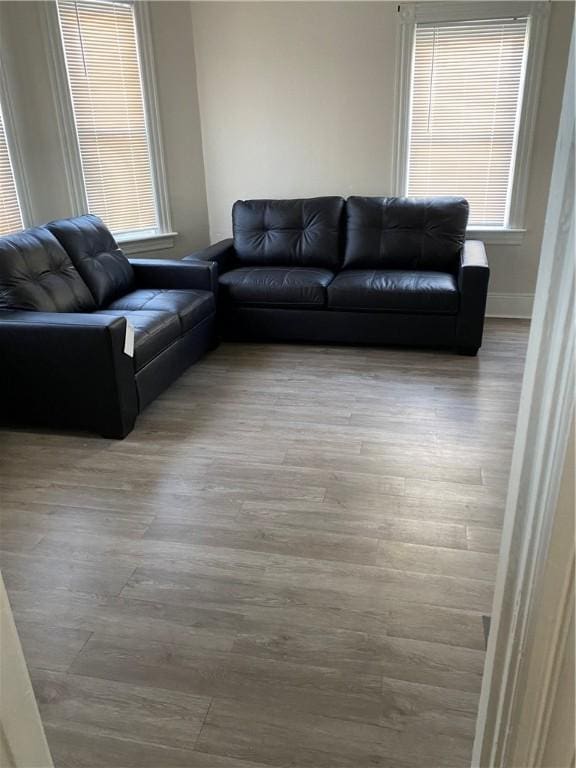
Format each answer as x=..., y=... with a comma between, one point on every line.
x=368, y=232
x=303, y=233
x=95, y=254
x=37, y=274
x=405, y=233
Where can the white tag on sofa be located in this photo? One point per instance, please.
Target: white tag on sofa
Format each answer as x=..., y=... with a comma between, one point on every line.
x=129, y=340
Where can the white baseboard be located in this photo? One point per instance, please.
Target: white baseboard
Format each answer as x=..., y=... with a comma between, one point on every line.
x=518, y=305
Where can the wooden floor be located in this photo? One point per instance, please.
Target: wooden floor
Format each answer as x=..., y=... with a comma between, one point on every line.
x=285, y=564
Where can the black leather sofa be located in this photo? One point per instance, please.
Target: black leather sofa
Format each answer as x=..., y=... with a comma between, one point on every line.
x=367, y=270
x=67, y=294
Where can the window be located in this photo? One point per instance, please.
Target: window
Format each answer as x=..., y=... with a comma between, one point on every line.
x=102, y=60
x=467, y=94
x=10, y=213
x=465, y=99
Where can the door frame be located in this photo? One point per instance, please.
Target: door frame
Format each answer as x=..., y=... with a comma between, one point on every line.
x=544, y=419
x=22, y=739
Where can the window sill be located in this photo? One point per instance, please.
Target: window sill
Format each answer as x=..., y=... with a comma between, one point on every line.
x=133, y=244
x=496, y=236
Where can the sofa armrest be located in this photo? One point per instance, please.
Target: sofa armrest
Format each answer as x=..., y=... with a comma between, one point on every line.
x=174, y=273
x=474, y=255
x=222, y=253
x=473, y=279
x=66, y=369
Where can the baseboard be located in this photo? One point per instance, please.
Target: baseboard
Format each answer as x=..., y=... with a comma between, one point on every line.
x=517, y=305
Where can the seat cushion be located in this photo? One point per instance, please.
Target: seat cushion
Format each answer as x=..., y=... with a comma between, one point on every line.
x=276, y=286
x=190, y=306
x=288, y=233
x=405, y=233
x=394, y=291
x=95, y=253
x=37, y=274
x=153, y=332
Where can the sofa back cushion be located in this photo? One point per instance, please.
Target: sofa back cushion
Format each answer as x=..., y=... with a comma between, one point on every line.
x=303, y=233
x=405, y=233
x=95, y=253
x=37, y=274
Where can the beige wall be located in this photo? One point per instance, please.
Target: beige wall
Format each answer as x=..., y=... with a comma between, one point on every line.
x=279, y=99
x=297, y=99
x=171, y=24
x=26, y=56
x=514, y=268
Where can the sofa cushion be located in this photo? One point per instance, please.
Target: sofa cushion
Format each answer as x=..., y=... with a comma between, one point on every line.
x=191, y=306
x=276, y=286
x=95, y=253
x=153, y=332
x=288, y=233
x=37, y=274
x=394, y=291
x=405, y=233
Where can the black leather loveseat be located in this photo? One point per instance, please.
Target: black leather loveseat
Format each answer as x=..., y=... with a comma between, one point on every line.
x=368, y=270
x=67, y=295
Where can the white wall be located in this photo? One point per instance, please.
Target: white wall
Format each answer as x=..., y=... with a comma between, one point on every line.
x=296, y=99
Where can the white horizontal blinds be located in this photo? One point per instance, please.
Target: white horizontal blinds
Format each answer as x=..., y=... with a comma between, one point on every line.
x=465, y=99
x=101, y=52
x=10, y=214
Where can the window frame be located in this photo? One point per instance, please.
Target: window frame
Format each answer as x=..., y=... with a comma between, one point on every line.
x=411, y=14
x=14, y=151
x=131, y=242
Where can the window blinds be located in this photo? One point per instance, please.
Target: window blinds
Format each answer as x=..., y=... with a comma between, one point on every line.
x=101, y=53
x=10, y=215
x=465, y=100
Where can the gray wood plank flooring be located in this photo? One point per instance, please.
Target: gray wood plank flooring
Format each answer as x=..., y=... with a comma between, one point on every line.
x=285, y=564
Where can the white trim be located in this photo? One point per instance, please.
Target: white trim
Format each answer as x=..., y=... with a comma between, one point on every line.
x=133, y=244
x=411, y=14
x=538, y=32
x=65, y=112
x=544, y=420
x=517, y=305
x=504, y=236
x=552, y=668
x=402, y=88
x=15, y=151
x=22, y=739
x=146, y=55
x=67, y=125
x=430, y=12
